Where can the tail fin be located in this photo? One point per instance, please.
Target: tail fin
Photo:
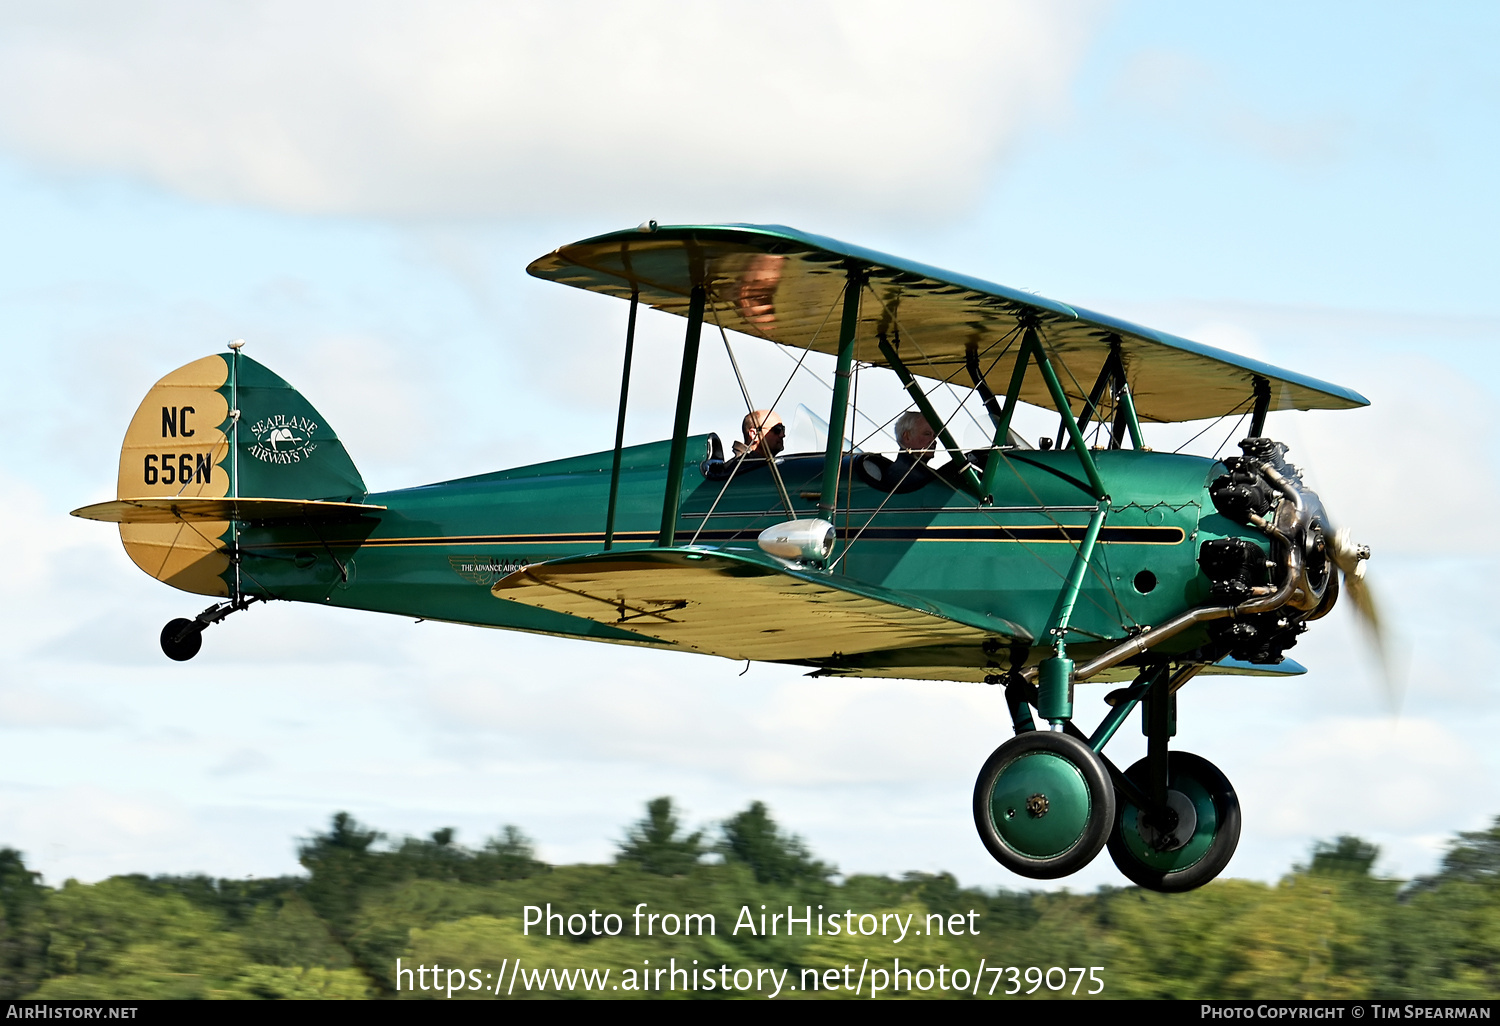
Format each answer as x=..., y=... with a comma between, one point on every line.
x=222, y=426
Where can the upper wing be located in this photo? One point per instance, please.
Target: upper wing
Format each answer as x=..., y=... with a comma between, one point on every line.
x=786, y=285
x=174, y=509
x=743, y=607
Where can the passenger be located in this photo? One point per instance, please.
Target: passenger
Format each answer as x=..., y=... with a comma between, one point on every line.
x=765, y=434
x=907, y=470
x=915, y=436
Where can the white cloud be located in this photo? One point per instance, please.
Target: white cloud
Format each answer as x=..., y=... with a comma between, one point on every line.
x=402, y=108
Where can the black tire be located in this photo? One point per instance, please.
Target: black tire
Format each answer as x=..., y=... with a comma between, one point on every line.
x=1044, y=805
x=181, y=639
x=1191, y=862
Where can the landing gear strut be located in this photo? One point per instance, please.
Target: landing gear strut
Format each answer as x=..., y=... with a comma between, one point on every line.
x=1046, y=801
x=181, y=639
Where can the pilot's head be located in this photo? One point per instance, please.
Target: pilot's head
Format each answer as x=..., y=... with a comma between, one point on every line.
x=764, y=429
x=914, y=434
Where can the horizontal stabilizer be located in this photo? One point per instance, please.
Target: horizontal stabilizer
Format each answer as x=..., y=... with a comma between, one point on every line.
x=744, y=606
x=173, y=509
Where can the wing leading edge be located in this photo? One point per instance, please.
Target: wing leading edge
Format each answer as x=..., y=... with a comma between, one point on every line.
x=740, y=606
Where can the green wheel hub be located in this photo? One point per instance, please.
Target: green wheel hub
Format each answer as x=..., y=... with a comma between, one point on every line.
x=1044, y=804
x=1138, y=837
x=1040, y=805
x=1178, y=856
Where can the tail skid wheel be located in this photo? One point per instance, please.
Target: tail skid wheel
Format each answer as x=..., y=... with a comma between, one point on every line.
x=1044, y=805
x=1199, y=837
x=181, y=639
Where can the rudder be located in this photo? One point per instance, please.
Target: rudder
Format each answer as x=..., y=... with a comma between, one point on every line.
x=222, y=426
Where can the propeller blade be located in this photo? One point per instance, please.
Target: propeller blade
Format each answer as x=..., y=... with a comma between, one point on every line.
x=1350, y=559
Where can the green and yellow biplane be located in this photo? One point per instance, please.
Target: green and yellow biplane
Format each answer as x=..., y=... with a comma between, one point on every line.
x=1087, y=558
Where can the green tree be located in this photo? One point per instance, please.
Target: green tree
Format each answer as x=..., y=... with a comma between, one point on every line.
x=235, y=900
x=1346, y=856
x=752, y=838
x=22, y=927
x=653, y=844
x=342, y=865
x=123, y=938
x=436, y=858
x=1473, y=857
x=508, y=856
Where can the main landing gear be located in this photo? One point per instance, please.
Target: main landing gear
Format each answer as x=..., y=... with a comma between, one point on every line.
x=181, y=639
x=1189, y=842
x=1044, y=805
x=1047, y=801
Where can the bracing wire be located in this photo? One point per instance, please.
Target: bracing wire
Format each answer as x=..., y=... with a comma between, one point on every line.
x=750, y=410
x=1095, y=572
x=1213, y=424
x=1232, y=432
x=807, y=348
x=750, y=407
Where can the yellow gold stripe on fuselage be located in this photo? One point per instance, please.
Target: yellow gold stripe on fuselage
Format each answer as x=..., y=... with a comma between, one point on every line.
x=1040, y=535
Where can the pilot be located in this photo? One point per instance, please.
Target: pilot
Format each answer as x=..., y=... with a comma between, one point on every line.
x=764, y=431
x=915, y=436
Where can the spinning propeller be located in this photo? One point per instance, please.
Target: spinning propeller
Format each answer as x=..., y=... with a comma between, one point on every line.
x=1350, y=558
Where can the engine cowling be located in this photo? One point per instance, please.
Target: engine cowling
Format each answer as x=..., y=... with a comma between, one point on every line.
x=1261, y=489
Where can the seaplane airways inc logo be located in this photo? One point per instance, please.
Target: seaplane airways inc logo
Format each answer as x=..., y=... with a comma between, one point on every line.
x=283, y=439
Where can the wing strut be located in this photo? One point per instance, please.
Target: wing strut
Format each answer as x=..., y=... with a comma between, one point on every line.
x=991, y=404
x=1031, y=349
x=1125, y=417
x=1060, y=400
x=614, y=473
x=1262, y=406
x=671, y=506
x=833, y=456
x=968, y=478
x=1002, y=427
x=1111, y=377
x=971, y=364
x=1055, y=674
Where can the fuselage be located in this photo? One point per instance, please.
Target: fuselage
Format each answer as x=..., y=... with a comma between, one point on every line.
x=435, y=550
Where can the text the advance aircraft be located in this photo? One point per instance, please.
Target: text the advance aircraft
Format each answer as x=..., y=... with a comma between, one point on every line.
x=1087, y=559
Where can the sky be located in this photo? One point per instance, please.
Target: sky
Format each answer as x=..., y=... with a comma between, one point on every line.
x=356, y=189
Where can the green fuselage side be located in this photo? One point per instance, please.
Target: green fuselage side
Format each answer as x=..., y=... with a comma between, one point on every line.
x=436, y=549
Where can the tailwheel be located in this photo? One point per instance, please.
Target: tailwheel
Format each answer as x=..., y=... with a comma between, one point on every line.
x=1044, y=804
x=1192, y=841
x=181, y=639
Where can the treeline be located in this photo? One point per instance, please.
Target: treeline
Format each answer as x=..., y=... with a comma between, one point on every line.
x=1329, y=929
